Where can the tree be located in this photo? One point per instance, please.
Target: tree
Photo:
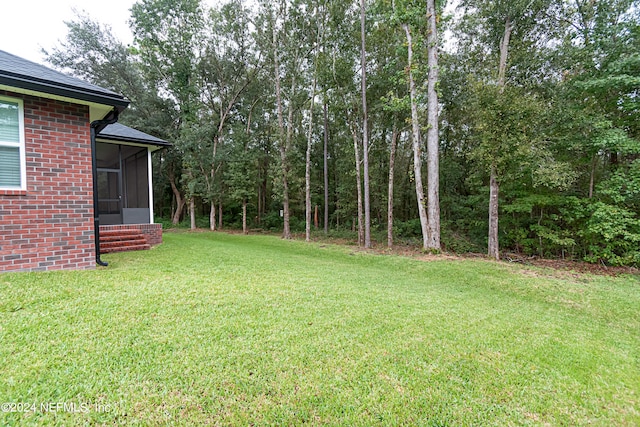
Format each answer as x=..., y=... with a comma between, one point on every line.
x=416, y=141
x=168, y=35
x=433, y=142
x=392, y=162
x=227, y=68
x=278, y=38
x=316, y=49
x=411, y=19
x=240, y=175
x=325, y=163
x=498, y=21
x=365, y=128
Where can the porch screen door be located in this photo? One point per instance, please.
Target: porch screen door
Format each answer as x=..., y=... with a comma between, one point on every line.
x=110, y=196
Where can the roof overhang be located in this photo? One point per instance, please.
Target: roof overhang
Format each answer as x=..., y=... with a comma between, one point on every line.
x=151, y=146
x=100, y=104
x=118, y=133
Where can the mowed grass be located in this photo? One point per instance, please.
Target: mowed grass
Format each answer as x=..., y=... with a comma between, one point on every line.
x=218, y=329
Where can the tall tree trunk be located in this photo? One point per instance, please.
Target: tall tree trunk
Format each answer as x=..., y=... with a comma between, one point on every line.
x=433, y=149
x=415, y=126
x=307, y=171
x=592, y=177
x=493, y=248
x=212, y=216
x=392, y=163
x=192, y=212
x=286, y=228
x=356, y=149
x=180, y=201
x=494, y=189
x=258, y=217
x=262, y=177
x=286, y=233
x=326, y=168
x=212, y=212
x=263, y=198
x=244, y=216
x=504, y=53
x=220, y=215
x=365, y=130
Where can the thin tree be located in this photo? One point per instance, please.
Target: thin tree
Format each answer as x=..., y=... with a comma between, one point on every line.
x=365, y=130
x=356, y=149
x=494, y=185
x=392, y=163
x=192, y=212
x=227, y=69
x=180, y=200
x=433, y=178
x=505, y=119
x=415, y=137
x=307, y=173
x=282, y=138
x=326, y=167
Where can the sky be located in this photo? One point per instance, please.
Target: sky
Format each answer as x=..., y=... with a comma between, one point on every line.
x=30, y=25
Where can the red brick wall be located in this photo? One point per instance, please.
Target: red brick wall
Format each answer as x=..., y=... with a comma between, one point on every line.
x=50, y=225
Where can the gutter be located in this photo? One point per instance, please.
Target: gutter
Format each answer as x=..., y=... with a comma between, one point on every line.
x=145, y=142
x=59, y=89
x=97, y=126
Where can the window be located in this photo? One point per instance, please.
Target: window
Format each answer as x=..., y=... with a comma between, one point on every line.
x=12, y=156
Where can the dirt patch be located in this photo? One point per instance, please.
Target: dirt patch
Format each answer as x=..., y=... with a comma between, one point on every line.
x=566, y=267
x=582, y=267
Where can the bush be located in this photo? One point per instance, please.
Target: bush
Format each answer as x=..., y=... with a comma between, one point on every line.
x=614, y=235
x=272, y=221
x=456, y=242
x=407, y=229
x=166, y=223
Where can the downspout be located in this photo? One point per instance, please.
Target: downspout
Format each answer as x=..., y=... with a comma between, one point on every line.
x=94, y=168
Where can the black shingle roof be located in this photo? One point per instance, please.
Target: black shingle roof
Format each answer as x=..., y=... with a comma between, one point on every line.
x=21, y=73
x=119, y=132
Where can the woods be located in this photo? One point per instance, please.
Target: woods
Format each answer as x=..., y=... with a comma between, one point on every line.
x=520, y=118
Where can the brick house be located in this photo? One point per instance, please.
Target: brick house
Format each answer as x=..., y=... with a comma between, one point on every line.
x=59, y=141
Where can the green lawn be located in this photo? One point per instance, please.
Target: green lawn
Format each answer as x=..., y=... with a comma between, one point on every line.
x=224, y=329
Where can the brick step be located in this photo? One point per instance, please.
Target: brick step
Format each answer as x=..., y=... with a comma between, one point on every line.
x=122, y=240
x=128, y=242
x=124, y=248
x=118, y=233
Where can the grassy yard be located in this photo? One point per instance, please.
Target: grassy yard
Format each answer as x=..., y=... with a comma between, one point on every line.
x=220, y=329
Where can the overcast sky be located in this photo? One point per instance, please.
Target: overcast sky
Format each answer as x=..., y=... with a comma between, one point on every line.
x=29, y=25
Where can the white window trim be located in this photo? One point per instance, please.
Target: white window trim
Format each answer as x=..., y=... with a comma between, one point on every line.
x=20, y=145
